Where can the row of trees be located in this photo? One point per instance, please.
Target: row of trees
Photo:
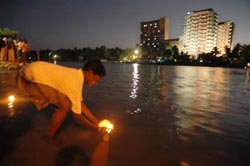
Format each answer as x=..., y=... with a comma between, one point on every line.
x=8, y=32
x=166, y=54
x=81, y=54
x=239, y=56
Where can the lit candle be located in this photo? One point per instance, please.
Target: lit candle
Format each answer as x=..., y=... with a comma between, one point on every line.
x=106, y=123
x=11, y=98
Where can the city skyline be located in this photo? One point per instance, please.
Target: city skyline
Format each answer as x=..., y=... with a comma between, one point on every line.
x=58, y=24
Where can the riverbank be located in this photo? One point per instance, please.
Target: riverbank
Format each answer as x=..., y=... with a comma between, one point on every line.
x=10, y=65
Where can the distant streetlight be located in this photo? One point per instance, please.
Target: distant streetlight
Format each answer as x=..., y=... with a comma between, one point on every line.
x=54, y=57
x=136, y=51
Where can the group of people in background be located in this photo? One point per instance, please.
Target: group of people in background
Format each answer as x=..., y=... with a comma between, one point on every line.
x=14, y=49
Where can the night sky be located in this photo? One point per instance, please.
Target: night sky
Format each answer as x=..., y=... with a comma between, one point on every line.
x=58, y=24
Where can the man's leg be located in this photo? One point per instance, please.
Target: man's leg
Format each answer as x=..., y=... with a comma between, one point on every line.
x=42, y=96
x=61, y=111
x=61, y=104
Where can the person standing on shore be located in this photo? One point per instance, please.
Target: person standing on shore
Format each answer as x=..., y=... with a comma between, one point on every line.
x=11, y=50
x=2, y=45
x=61, y=87
x=3, y=52
x=25, y=52
x=19, y=45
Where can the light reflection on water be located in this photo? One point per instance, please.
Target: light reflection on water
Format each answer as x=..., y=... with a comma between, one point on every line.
x=10, y=96
x=208, y=105
x=7, y=82
x=199, y=100
x=203, y=93
x=11, y=100
x=135, y=79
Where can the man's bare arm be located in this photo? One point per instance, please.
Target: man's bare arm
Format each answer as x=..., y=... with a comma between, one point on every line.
x=83, y=121
x=89, y=114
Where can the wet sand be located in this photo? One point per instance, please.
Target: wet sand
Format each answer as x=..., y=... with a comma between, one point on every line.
x=21, y=141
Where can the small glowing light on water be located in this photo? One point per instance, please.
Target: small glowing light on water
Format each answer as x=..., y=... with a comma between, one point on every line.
x=109, y=127
x=10, y=105
x=106, y=123
x=11, y=98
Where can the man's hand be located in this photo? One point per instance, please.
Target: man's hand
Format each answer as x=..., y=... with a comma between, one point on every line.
x=102, y=130
x=106, y=137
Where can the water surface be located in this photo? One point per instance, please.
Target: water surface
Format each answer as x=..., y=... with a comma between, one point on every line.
x=168, y=115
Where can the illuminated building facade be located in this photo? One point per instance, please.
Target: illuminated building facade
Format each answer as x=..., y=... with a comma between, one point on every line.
x=224, y=36
x=153, y=32
x=199, y=32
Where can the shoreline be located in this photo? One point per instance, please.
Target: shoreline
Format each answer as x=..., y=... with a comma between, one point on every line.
x=10, y=65
x=17, y=65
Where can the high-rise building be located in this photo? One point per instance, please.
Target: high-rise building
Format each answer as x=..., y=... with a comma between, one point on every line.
x=199, y=32
x=224, y=36
x=202, y=33
x=153, y=32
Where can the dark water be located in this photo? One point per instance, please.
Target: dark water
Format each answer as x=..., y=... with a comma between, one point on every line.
x=170, y=115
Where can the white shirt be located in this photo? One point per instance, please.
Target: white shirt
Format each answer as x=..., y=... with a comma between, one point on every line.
x=68, y=81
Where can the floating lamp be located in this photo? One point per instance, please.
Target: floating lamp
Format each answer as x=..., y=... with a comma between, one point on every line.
x=11, y=98
x=106, y=124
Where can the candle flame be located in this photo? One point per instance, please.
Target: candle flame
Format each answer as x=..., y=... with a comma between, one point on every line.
x=106, y=123
x=11, y=98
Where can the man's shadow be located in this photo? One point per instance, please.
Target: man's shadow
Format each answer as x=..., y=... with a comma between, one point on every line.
x=72, y=155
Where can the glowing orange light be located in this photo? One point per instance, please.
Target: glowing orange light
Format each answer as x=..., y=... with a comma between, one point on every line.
x=106, y=123
x=11, y=98
x=11, y=101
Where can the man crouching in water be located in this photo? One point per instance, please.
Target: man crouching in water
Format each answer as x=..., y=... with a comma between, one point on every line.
x=61, y=87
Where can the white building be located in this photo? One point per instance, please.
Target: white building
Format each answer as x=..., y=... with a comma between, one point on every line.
x=224, y=36
x=199, y=32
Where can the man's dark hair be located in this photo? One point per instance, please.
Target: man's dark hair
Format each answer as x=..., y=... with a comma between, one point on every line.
x=96, y=66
